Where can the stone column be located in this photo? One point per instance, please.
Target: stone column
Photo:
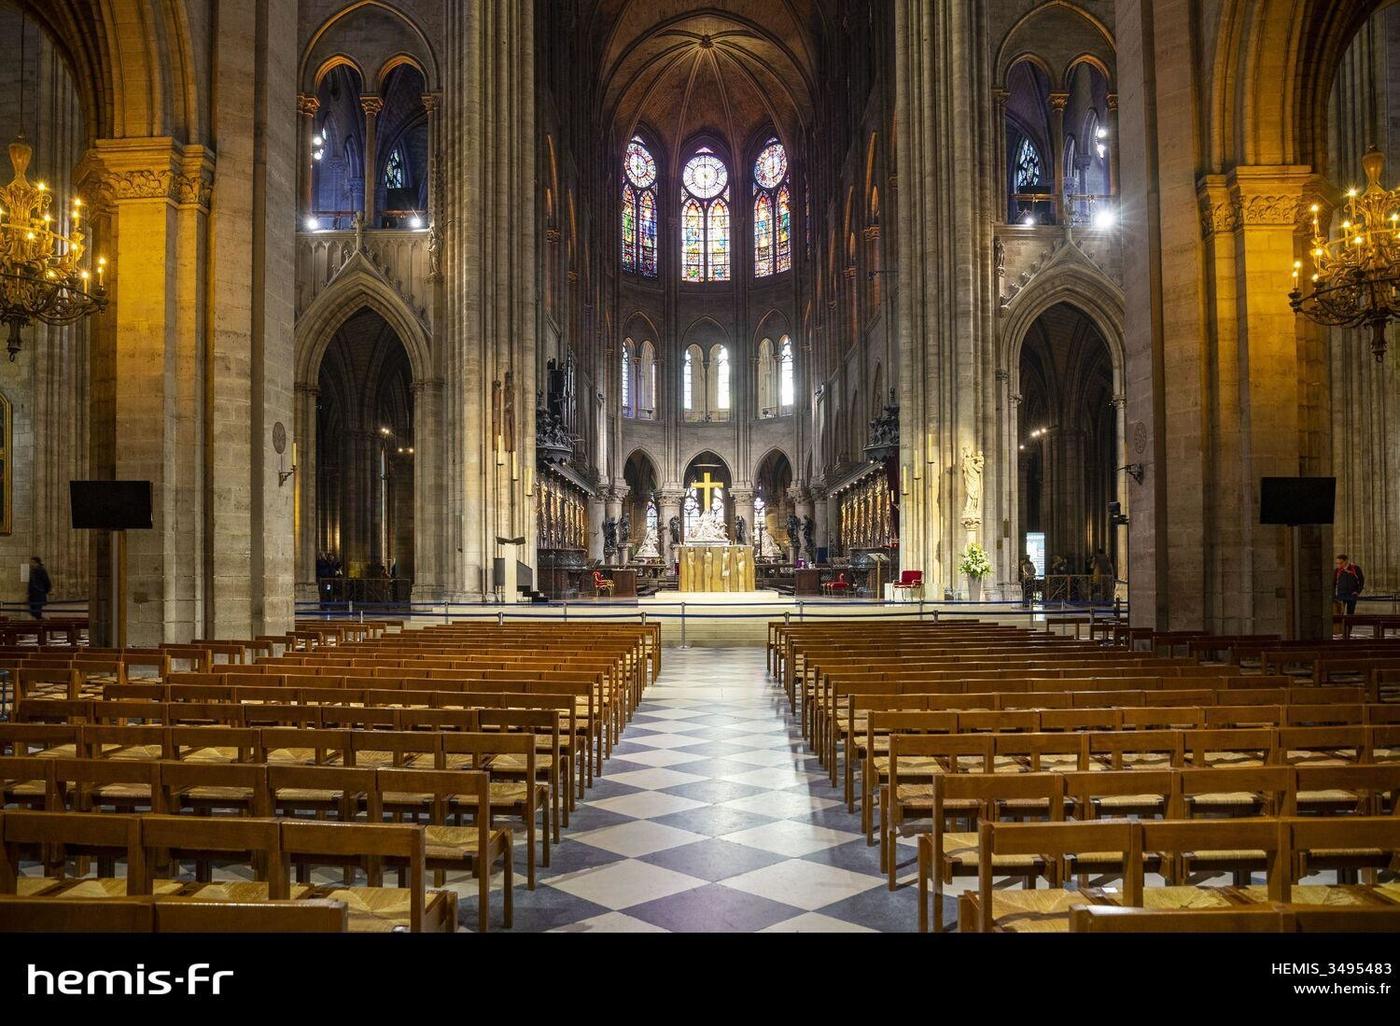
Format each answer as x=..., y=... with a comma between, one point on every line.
x=1112, y=100
x=821, y=512
x=306, y=498
x=802, y=507
x=668, y=505
x=596, y=512
x=307, y=106
x=431, y=102
x=1058, y=103
x=429, y=503
x=612, y=510
x=743, y=507
x=371, y=105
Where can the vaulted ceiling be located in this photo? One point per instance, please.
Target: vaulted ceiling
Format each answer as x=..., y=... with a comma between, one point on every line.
x=730, y=68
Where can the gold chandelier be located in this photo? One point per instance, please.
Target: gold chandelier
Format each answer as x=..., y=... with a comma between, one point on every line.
x=1356, y=275
x=43, y=276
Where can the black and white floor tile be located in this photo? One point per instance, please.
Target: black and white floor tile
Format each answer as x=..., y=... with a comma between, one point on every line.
x=712, y=816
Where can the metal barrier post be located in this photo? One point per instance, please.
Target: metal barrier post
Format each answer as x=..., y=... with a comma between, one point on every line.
x=683, y=642
x=787, y=617
x=500, y=619
x=644, y=617
x=800, y=616
x=566, y=610
x=935, y=616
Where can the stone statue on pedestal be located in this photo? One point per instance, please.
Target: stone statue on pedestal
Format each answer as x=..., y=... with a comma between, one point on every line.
x=610, y=534
x=675, y=528
x=741, y=531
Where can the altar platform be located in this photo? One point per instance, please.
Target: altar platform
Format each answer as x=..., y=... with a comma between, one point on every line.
x=710, y=567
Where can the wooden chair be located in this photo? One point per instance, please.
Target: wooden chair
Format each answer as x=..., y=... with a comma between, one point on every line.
x=53, y=838
x=171, y=841
x=944, y=856
x=80, y=915
x=312, y=915
x=413, y=909
x=526, y=798
x=911, y=581
x=603, y=585
x=475, y=848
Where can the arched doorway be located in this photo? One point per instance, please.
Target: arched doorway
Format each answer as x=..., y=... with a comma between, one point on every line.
x=364, y=509
x=707, y=467
x=771, y=505
x=1067, y=448
x=640, y=507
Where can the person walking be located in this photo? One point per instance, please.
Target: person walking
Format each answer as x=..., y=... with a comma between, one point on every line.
x=39, y=587
x=1347, y=583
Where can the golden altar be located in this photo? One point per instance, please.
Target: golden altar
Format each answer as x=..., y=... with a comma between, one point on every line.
x=716, y=567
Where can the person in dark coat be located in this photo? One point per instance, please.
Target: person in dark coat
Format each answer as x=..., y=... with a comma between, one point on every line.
x=1347, y=583
x=39, y=587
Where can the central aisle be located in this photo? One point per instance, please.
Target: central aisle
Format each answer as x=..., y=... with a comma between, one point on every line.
x=712, y=816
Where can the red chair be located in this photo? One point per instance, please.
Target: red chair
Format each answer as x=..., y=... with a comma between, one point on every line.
x=911, y=581
x=838, y=586
x=601, y=584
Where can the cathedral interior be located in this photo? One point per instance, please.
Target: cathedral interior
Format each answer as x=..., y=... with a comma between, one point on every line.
x=398, y=289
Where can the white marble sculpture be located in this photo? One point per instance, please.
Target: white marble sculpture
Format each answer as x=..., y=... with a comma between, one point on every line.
x=708, y=530
x=648, y=549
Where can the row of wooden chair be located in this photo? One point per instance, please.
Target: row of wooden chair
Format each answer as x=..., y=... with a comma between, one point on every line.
x=1173, y=793
x=1134, y=844
x=154, y=848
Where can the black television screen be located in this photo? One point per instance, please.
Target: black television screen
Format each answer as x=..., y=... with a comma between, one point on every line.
x=110, y=505
x=1297, y=500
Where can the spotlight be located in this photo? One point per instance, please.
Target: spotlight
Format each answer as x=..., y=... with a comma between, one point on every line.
x=415, y=222
x=1028, y=220
x=1102, y=133
x=312, y=224
x=1105, y=218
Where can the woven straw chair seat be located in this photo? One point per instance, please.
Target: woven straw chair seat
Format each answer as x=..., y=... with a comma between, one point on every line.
x=452, y=843
x=1130, y=801
x=1227, y=857
x=913, y=766
x=301, y=757
x=508, y=793
x=1218, y=798
x=105, y=887
x=516, y=763
x=228, y=890
x=379, y=909
x=1214, y=760
x=1035, y=911
x=213, y=793
x=132, y=753
x=26, y=789
x=56, y=752
x=1328, y=797
x=1144, y=760
x=1184, y=897
x=211, y=755
x=961, y=850
x=1344, y=895
x=308, y=794
x=407, y=799
x=1338, y=757
x=123, y=792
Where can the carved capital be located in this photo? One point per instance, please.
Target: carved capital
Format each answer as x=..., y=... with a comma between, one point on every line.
x=431, y=102
x=371, y=105
x=1058, y=102
x=872, y=233
x=551, y=235
x=307, y=106
x=1112, y=101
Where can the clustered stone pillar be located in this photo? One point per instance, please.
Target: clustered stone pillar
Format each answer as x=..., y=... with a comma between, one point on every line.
x=596, y=513
x=668, y=507
x=306, y=526
x=743, y=507
x=1058, y=103
x=307, y=106
x=1112, y=100
x=372, y=105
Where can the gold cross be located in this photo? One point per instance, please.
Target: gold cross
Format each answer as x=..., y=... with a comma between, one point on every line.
x=708, y=486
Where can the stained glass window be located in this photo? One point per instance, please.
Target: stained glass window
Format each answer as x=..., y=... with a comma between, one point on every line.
x=771, y=167
x=763, y=236
x=641, y=166
x=693, y=241
x=639, y=210
x=393, y=170
x=687, y=384
x=1028, y=172
x=705, y=175
x=722, y=383
x=782, y=260
x=786, y=391
x=629, y=229
x=647, y=229
x=772, y=212
x=627, y=378
x=705, y=219
x=718, y=233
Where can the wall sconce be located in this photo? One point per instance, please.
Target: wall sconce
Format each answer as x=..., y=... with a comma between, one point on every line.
x=1135, y=471
x=279, y=443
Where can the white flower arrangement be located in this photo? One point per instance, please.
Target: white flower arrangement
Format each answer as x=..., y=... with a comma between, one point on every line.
x=974, y=563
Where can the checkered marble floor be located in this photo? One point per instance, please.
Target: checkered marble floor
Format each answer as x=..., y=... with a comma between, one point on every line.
x=712, y=816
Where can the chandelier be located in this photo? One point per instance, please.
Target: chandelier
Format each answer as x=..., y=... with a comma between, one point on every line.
x=43, y=276
x=1356, y=275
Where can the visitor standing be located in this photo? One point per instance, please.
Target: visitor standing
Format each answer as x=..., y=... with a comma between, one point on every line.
x=39, y=587
x=1347, y=582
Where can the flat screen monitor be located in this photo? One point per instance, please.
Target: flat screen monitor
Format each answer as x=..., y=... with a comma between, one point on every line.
x=111, y=505
x=1297, y=500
